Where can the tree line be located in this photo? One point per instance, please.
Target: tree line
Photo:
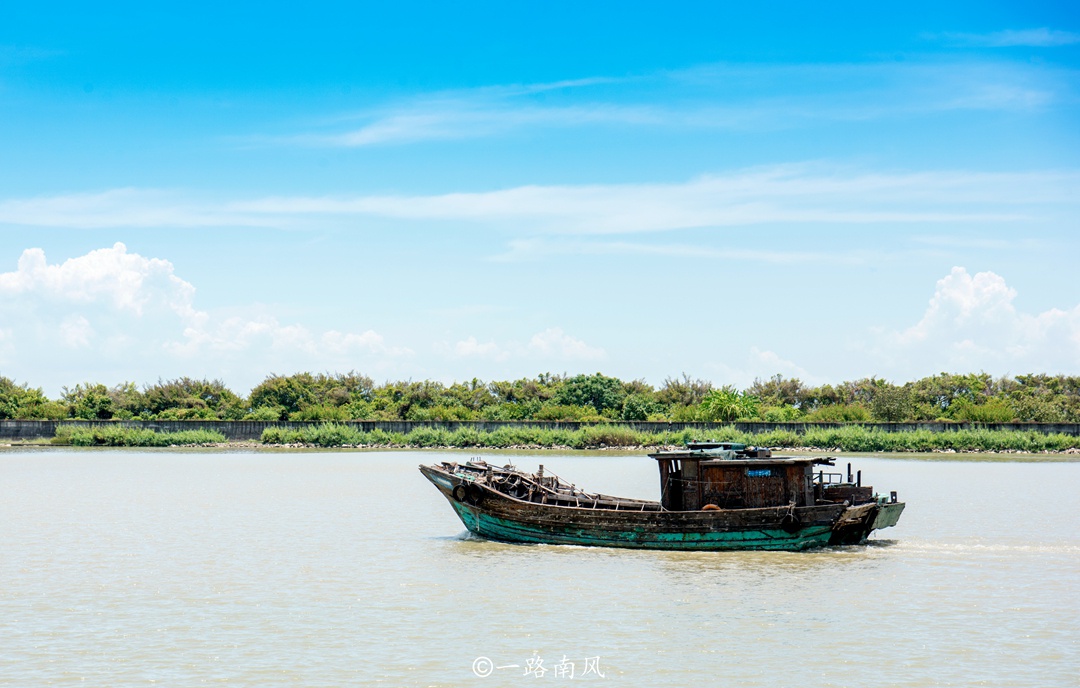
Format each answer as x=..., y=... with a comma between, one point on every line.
x=977, y=397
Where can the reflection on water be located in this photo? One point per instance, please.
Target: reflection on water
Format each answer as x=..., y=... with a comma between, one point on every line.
x=122, y=568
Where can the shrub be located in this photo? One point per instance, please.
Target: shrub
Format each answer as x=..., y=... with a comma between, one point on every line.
x=781, y=414
x=428, y=437
x=993, y=411
x=608, y=436
x=119, y=436
x=267, y=413
x=276, y=434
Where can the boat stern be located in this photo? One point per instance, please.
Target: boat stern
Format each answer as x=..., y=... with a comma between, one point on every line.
x=857, y=522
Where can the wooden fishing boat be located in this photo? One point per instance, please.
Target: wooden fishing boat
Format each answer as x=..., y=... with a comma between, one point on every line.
x=714, y=496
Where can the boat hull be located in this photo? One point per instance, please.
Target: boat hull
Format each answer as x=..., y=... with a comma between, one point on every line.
x=497, y=516
x=857, y=522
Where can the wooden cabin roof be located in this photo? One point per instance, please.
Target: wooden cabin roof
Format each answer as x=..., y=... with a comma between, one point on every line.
x=706, y=460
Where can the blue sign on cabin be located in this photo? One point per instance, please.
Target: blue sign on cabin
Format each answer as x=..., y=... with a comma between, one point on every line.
x=758, y=472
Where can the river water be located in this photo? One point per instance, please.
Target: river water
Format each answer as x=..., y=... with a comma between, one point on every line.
x=183, y=568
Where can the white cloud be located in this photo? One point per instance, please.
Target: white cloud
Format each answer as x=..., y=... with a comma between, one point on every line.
x=368, y=341
x=113, y=309
x=126, y=207
x=798, y=194
x=440, y=120
x=981, y=242
x=1035, y=38
x=791, y=194
x=711, y=97
x=127, y=281
x=964, y=302
x=472, y=347
x=552, y=344
x=972, y=323
x=533, y=249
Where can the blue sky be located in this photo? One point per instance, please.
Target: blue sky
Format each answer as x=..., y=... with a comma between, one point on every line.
x=435, y=191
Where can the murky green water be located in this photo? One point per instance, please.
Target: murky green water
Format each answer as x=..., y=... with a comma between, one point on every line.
x=331, y=569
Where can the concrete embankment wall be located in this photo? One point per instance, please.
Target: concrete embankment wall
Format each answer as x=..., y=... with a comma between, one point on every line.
x=21, y=430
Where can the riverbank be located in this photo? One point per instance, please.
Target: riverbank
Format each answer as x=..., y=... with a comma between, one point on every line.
x=589, y=438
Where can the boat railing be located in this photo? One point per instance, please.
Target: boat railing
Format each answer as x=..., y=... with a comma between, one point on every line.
x=824, y=478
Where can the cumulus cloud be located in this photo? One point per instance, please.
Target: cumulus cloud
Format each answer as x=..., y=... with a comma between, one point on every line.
x=972, y=323
x=112, y=308
x=126, y=281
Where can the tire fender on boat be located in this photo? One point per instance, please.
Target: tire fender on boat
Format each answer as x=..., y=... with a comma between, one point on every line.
x=460, y=493
x=475, y=493
x=791, y=523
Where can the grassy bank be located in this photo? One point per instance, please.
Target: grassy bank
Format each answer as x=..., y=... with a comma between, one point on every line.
x=133, y=437
x=848, y=439
x=852, y=439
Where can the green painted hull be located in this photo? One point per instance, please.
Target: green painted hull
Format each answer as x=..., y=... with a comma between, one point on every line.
x=506, y=530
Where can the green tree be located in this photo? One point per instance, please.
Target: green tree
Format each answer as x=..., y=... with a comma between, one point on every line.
x=89, y=401
x=289, y=393
x=599, y=391
x=27, y=403
x=891, y=403
x=779, y=391
x=638, y=407
x=683, y=392
x=188, y=398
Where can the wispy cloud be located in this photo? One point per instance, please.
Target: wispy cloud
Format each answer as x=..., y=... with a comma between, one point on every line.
x=708, y=97
x=125, y=207
x=534, y=249
x=446, y=120
x=981, y=242
x=786, y=195
x=1033, y=38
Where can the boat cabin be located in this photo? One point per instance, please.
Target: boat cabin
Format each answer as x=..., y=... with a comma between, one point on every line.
x=729, y=475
